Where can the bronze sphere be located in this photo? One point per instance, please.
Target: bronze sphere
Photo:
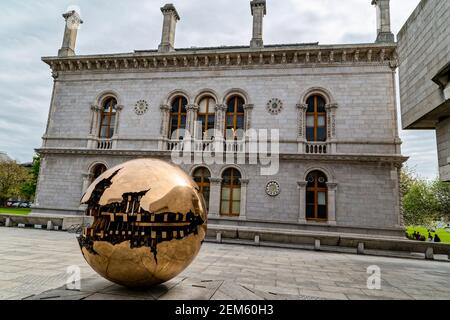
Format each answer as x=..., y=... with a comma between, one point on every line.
x=149, y=223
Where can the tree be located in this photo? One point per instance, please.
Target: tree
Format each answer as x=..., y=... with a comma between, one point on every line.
x=12, y=176
x=419, y=204
x=441, y=191
x=423, y=202
x=28, y=188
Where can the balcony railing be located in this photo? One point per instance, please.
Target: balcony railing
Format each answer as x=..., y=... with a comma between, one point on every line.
x=206, y=145
x=104, y=144
x=316, y=148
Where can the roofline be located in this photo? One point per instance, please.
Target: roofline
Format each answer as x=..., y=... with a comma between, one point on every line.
x=228, y=49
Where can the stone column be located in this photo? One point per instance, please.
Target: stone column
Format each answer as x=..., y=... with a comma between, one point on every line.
x=301, y=128
x=258, y=8
x=191, y=117
x=332, y=187
x=248, y=108
x=243, y=209
x=73, y=22
x=384, y=33
x=331, y=126
x=87, y=177
x=94, y=127
x=214, y=196
x=165, y=118
x=115, y=136
x=220, y=117
x=301, y=185
x=169, y=25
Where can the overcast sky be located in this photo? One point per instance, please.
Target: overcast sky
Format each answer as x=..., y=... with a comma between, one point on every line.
x=30, y=29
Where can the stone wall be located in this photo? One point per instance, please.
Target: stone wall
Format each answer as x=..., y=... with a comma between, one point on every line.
x=423, y=49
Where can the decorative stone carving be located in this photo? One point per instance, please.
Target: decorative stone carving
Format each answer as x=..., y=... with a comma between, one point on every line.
x=274, y=106
x=273, y=188
x=141, y=107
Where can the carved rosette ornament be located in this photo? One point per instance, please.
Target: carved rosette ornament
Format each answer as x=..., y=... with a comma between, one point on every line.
x=141, y=107
x=274, y=106
x=273, y=188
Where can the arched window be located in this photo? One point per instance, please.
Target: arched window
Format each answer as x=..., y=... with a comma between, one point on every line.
x=230, y=199
x=97, y=171
x=178, y=116
x=201, y=177
x=316, y=119
x=234, y=119
x=206, y=114
x=316, y=196
x=108, y=118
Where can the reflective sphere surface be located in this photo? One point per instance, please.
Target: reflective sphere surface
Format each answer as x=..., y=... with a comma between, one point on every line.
x=149, y=223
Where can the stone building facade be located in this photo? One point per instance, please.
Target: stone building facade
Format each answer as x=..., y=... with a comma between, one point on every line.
x=424, y=56
x=333, y=106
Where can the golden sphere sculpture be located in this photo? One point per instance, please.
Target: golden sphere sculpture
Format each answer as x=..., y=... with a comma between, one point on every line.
x=149, y=223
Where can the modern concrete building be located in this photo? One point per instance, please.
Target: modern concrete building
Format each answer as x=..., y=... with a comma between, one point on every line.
x=333, y=106
x=424, y=57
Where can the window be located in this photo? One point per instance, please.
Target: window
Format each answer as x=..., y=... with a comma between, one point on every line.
x=230, y=204
x=97, y=171
x=234, y=119
x=108, y=118
x=206, y=114
x=178, y=117
x=201, y=177
x=316, y=119
x=316, y=196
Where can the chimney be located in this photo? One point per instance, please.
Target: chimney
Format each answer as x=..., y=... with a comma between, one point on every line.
x=258, y=12
x=168, y=32
x=73, y=22
x=384, y=33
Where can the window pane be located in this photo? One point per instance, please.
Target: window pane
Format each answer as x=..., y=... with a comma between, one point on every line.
x=320, y=104
x=111, y=132
x=225, y=193
x=321, y=121
x=183, y=122
x=310, y=121
x=240, y=122
x=310, y=211
x=310, y=103
x=237, y=194
x=225, y=207
x=310, y=134
x=322, y=212
x=310, y=197
x=230, y=121
x=230, y=106
x=321, y=134
x=321, y=198
x=236, y=207
x=203, y=106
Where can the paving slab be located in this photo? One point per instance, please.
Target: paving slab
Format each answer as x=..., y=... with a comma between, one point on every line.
x=33, y=265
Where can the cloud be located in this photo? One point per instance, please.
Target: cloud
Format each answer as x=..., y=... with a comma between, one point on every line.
x=30, y=29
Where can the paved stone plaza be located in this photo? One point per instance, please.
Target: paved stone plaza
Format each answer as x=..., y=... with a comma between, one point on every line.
x=33, y=263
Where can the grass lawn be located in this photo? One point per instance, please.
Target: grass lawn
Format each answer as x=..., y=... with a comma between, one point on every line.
x=442, y=233
x=22, y=211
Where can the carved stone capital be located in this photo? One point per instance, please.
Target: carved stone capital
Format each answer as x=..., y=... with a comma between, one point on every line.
x=330, y=106
x=95, y=108
x=244, y=181
x=248, y=106
x=220, y=107
x=192, y=107
x=302, y=106
x=301, y=184
x=165, y=107
x=332, y=186
x=215, y=180
x=119, y=107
